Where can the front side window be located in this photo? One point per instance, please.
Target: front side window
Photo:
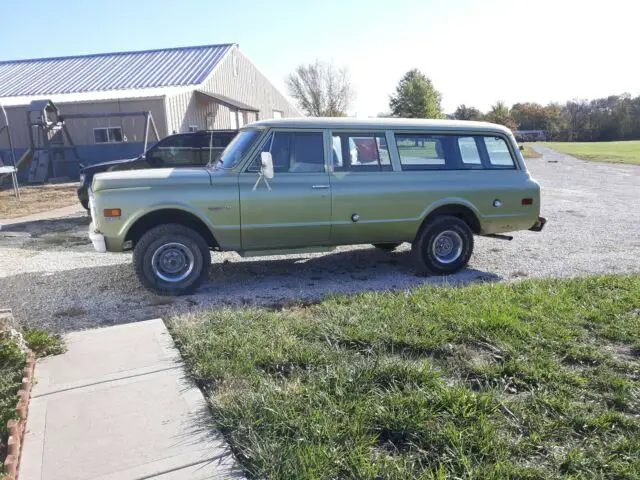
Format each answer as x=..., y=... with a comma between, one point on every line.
x=238, y=148
x=175, y=151
x=107, y=135
x=293, y=152
x=360, y=152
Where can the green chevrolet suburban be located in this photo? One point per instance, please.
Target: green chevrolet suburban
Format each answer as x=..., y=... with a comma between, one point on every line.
x=310, y=184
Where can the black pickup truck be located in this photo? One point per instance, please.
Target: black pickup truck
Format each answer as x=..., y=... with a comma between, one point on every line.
x=178, y=150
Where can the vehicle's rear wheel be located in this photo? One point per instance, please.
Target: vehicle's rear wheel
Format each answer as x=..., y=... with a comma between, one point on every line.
x=444, y=245
x=172, y=259
x=386, y=247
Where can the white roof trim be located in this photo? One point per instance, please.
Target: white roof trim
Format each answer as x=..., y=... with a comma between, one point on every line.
x=131, y=94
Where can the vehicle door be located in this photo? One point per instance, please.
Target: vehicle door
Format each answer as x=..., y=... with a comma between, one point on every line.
x=363, y=207
x=293, y=208
x=175, y=151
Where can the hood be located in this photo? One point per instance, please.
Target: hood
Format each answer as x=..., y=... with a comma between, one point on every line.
x=157, y=177
x=103, y=166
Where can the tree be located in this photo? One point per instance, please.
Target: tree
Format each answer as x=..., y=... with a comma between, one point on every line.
x=467, y=113
x=321, y=90
x=500, y=114
x=415, y=97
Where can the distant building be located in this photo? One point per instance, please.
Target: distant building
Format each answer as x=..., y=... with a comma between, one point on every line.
x=189, y=88
x=530, y=135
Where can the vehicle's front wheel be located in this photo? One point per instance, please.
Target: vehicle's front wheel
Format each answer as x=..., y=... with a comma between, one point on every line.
x=172, y=259
x=444, y=245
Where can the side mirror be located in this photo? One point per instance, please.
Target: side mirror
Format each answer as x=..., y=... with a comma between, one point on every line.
x=267, y=165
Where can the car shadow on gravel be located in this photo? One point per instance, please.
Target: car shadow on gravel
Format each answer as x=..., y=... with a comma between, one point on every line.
x=58, y=234
x=101, y=296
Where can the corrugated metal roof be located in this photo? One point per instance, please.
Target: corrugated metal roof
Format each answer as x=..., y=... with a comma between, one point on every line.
x=110, y=71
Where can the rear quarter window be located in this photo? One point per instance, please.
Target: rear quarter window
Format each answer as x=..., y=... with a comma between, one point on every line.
x=418, y=151
x=498, y=152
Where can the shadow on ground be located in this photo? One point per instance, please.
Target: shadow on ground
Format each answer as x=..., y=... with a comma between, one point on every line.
x=58, y=234
x=91, y=297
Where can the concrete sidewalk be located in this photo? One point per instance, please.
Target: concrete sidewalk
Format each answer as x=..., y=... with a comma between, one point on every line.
x=117, y=405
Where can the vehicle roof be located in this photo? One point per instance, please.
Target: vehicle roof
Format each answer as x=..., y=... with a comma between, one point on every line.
x=204, y=132
x=393, y=123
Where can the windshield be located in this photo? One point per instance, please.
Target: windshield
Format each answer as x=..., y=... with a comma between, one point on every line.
x=237, y=149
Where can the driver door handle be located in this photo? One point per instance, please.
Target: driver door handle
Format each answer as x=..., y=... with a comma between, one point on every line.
x=320, y=187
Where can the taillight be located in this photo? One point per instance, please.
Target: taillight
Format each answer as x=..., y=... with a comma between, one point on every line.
x=527, y=201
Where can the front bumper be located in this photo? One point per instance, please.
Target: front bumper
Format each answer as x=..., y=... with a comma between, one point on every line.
x=97, y=239
x=539, y=225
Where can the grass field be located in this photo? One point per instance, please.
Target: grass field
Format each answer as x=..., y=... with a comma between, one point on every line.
x=529, y=152
x=36, y=199
x=532, y=380
x=12, y=362
x=614, y=152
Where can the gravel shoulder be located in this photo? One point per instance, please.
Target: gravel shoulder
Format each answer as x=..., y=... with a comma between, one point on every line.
x=50, y=276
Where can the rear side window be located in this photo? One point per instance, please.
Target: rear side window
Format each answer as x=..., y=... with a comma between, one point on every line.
x=360, y=152
x=498, y=152
x=469, y=153
x=423, y=152
x=453, y=152
x=175, y=151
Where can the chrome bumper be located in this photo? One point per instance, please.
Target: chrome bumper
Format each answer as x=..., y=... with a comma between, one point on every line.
x=97, y=239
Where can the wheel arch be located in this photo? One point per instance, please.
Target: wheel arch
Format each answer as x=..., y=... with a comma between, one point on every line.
x=169, y=215
x=456, y=209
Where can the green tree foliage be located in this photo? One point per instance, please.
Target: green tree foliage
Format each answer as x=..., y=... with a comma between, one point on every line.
x=501, y=114
x=415, y=97
x=321, y=90
x=467, y=113
x=616, y=117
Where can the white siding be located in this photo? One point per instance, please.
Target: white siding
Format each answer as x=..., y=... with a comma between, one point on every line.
x=249, y=86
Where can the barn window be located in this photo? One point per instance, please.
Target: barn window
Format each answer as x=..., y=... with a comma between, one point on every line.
x=108, y=135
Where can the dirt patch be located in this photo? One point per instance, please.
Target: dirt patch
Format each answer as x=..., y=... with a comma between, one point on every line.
x=36, y=199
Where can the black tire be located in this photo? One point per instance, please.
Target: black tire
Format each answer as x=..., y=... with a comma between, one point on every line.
x=386, y=247
x=447, y=230
x=176, y=241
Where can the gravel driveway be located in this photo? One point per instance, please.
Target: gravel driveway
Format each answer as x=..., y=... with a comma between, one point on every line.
x=50, y=276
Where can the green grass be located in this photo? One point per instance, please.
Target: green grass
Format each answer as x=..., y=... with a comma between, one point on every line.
x=613, y=152
x=12, y=362
x=529, y=152
x=532, y=380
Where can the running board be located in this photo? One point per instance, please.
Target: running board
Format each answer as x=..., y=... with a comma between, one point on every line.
x=498, y=237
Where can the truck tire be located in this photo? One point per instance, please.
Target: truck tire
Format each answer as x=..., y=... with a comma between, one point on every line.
x=443, y=246
x=386, y=247
x=172, y=259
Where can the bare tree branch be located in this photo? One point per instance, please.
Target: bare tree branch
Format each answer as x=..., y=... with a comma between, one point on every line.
x=321, y=90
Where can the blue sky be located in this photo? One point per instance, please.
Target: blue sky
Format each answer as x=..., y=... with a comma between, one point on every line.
x=476, y=52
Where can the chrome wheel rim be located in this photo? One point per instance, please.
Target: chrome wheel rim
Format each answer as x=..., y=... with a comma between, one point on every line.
x=172, y=262
x=447, y=246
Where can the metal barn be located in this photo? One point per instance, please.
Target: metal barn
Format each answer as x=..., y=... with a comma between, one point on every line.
x=105, y=100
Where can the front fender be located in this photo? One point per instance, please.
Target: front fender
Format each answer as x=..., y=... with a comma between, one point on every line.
x=185, y=207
